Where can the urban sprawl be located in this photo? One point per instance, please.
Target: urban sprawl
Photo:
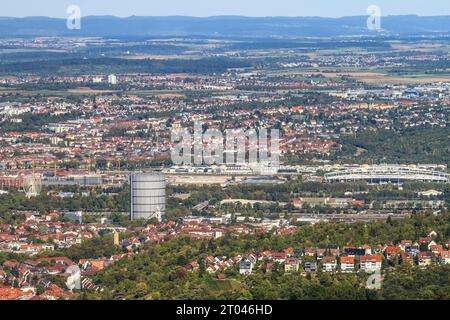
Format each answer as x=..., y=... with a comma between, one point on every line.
x=88, y=186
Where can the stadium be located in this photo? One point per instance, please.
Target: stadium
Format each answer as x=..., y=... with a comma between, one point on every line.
x=387, y=174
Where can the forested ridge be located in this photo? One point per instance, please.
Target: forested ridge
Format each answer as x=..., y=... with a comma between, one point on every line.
x=410, y=145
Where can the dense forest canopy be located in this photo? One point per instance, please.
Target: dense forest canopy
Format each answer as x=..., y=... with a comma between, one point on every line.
x=408, y=145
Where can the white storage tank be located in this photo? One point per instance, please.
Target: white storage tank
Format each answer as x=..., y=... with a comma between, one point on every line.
x=148, y=195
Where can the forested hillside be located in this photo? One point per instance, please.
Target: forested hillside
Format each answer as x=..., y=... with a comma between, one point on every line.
x=157, y=272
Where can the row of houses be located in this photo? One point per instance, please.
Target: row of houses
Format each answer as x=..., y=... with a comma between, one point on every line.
x=368, y=263
x=423, y=252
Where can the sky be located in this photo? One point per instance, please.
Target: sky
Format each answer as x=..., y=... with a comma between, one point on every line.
x=203, y=8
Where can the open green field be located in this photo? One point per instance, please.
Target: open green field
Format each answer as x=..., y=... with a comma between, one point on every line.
x=223, y=285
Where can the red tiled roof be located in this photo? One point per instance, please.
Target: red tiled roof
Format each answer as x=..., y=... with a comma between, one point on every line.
x=328, y=259
x=348, y=260
x=372, y=258
x=11, y=293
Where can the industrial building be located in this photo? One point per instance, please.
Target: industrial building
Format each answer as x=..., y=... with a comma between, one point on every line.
x=92, y=180
x=148, y=196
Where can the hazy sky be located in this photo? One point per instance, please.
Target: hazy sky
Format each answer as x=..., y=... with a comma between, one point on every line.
x=201, y=8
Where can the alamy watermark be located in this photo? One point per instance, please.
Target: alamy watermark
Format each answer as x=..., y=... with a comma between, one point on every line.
x=73, y=21
x=374, y=19
x=234, y=146
x=374, y=281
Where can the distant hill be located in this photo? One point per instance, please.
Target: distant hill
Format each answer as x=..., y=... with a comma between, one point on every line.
x=109, y=26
